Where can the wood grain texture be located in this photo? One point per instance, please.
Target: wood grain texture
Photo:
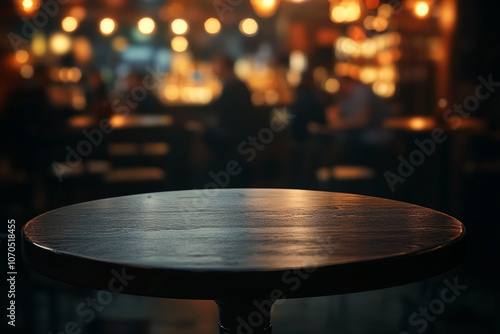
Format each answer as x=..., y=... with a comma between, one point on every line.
x=198, y=244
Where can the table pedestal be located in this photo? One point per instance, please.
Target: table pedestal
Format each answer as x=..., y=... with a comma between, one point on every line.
x=242, y=316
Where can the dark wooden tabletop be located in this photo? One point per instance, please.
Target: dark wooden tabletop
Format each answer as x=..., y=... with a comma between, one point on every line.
x=210, y=244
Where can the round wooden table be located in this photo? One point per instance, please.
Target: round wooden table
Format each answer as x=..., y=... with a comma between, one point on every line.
x=243, y=248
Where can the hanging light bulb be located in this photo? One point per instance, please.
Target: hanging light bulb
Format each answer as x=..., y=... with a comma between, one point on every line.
x=265, y=8
x=345, y=10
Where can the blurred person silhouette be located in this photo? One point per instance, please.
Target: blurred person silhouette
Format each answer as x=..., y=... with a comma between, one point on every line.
x=307, y=108
x=142, y=100
x=234, y=105
x=356, y=122
x=233, y=110
x=33, y=130
x=32, y=125
x=97, y=96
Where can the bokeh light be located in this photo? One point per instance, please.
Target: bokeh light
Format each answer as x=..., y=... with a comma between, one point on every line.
x=249, y=27
x=332, y=85
x=146, y=25
x=212, y=26
x=421, y=9
x=59, y=43
x=265, y=8
x=27, y=71
x=179, y=26
x=22, y=56
x=179, y=44
x=69, y=24
x=107, y=26
x=119, y=43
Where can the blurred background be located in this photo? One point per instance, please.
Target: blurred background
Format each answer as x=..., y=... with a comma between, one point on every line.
x=397, y=99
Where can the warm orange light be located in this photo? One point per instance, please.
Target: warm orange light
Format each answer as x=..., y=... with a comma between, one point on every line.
x=60, y=43
x=345, y=10
x=82, y=50
x=78, y=12
x=22, y=56
x=146, y=25
x=179, y=44
x=179, y=26
x=212, y=26
x=27, y=4
x=384, y=88
x=418, y=123
x=421, y=9
x=332, y=85
x=385, y=10
x=119, y=43
x=372, y=4
x=69, y=24
x=107, y=26
x=171, y=92
x=265, y=8
x=27, y=71
x=249, y=27
x=442, y=103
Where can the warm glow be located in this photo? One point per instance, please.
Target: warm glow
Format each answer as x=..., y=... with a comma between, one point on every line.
x=385, y=10
x=78, y=12
x=171, y=92
x=298, y=61
x=332, y=85
x=27, y=71
x=146, y=25
x=265, y=8
x=442, y=103
x=69, y=24
x=60, y=43
x=117, y=121
x=27, y=4
x=421, y=9
x=341, y=69
x=372, y=4
x=368, y=75
x=82, y=50
x=119, y=43
x=249, y=27
x=338, y=14
x=383, y=88
x=107, y=26
x=212, y=26
x=293, y=78
x=380, y=23
x=179, y=44
x=179, y=26
x=22, y=56
x=271, y=97
x=74, y=74
x=418, y=123
x=345, y=11
x=39, y=45
x=320, y=74
x=388, y=73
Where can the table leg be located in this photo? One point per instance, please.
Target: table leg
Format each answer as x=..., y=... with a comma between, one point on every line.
x=245, y=316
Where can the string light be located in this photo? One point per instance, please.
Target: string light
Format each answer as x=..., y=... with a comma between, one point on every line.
x=421, y=9
x=179, y=26
x=249, y=27
x=146, y=25
x=107, y=26
x=69, y=24
x=265, y=8
x=212, y=26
